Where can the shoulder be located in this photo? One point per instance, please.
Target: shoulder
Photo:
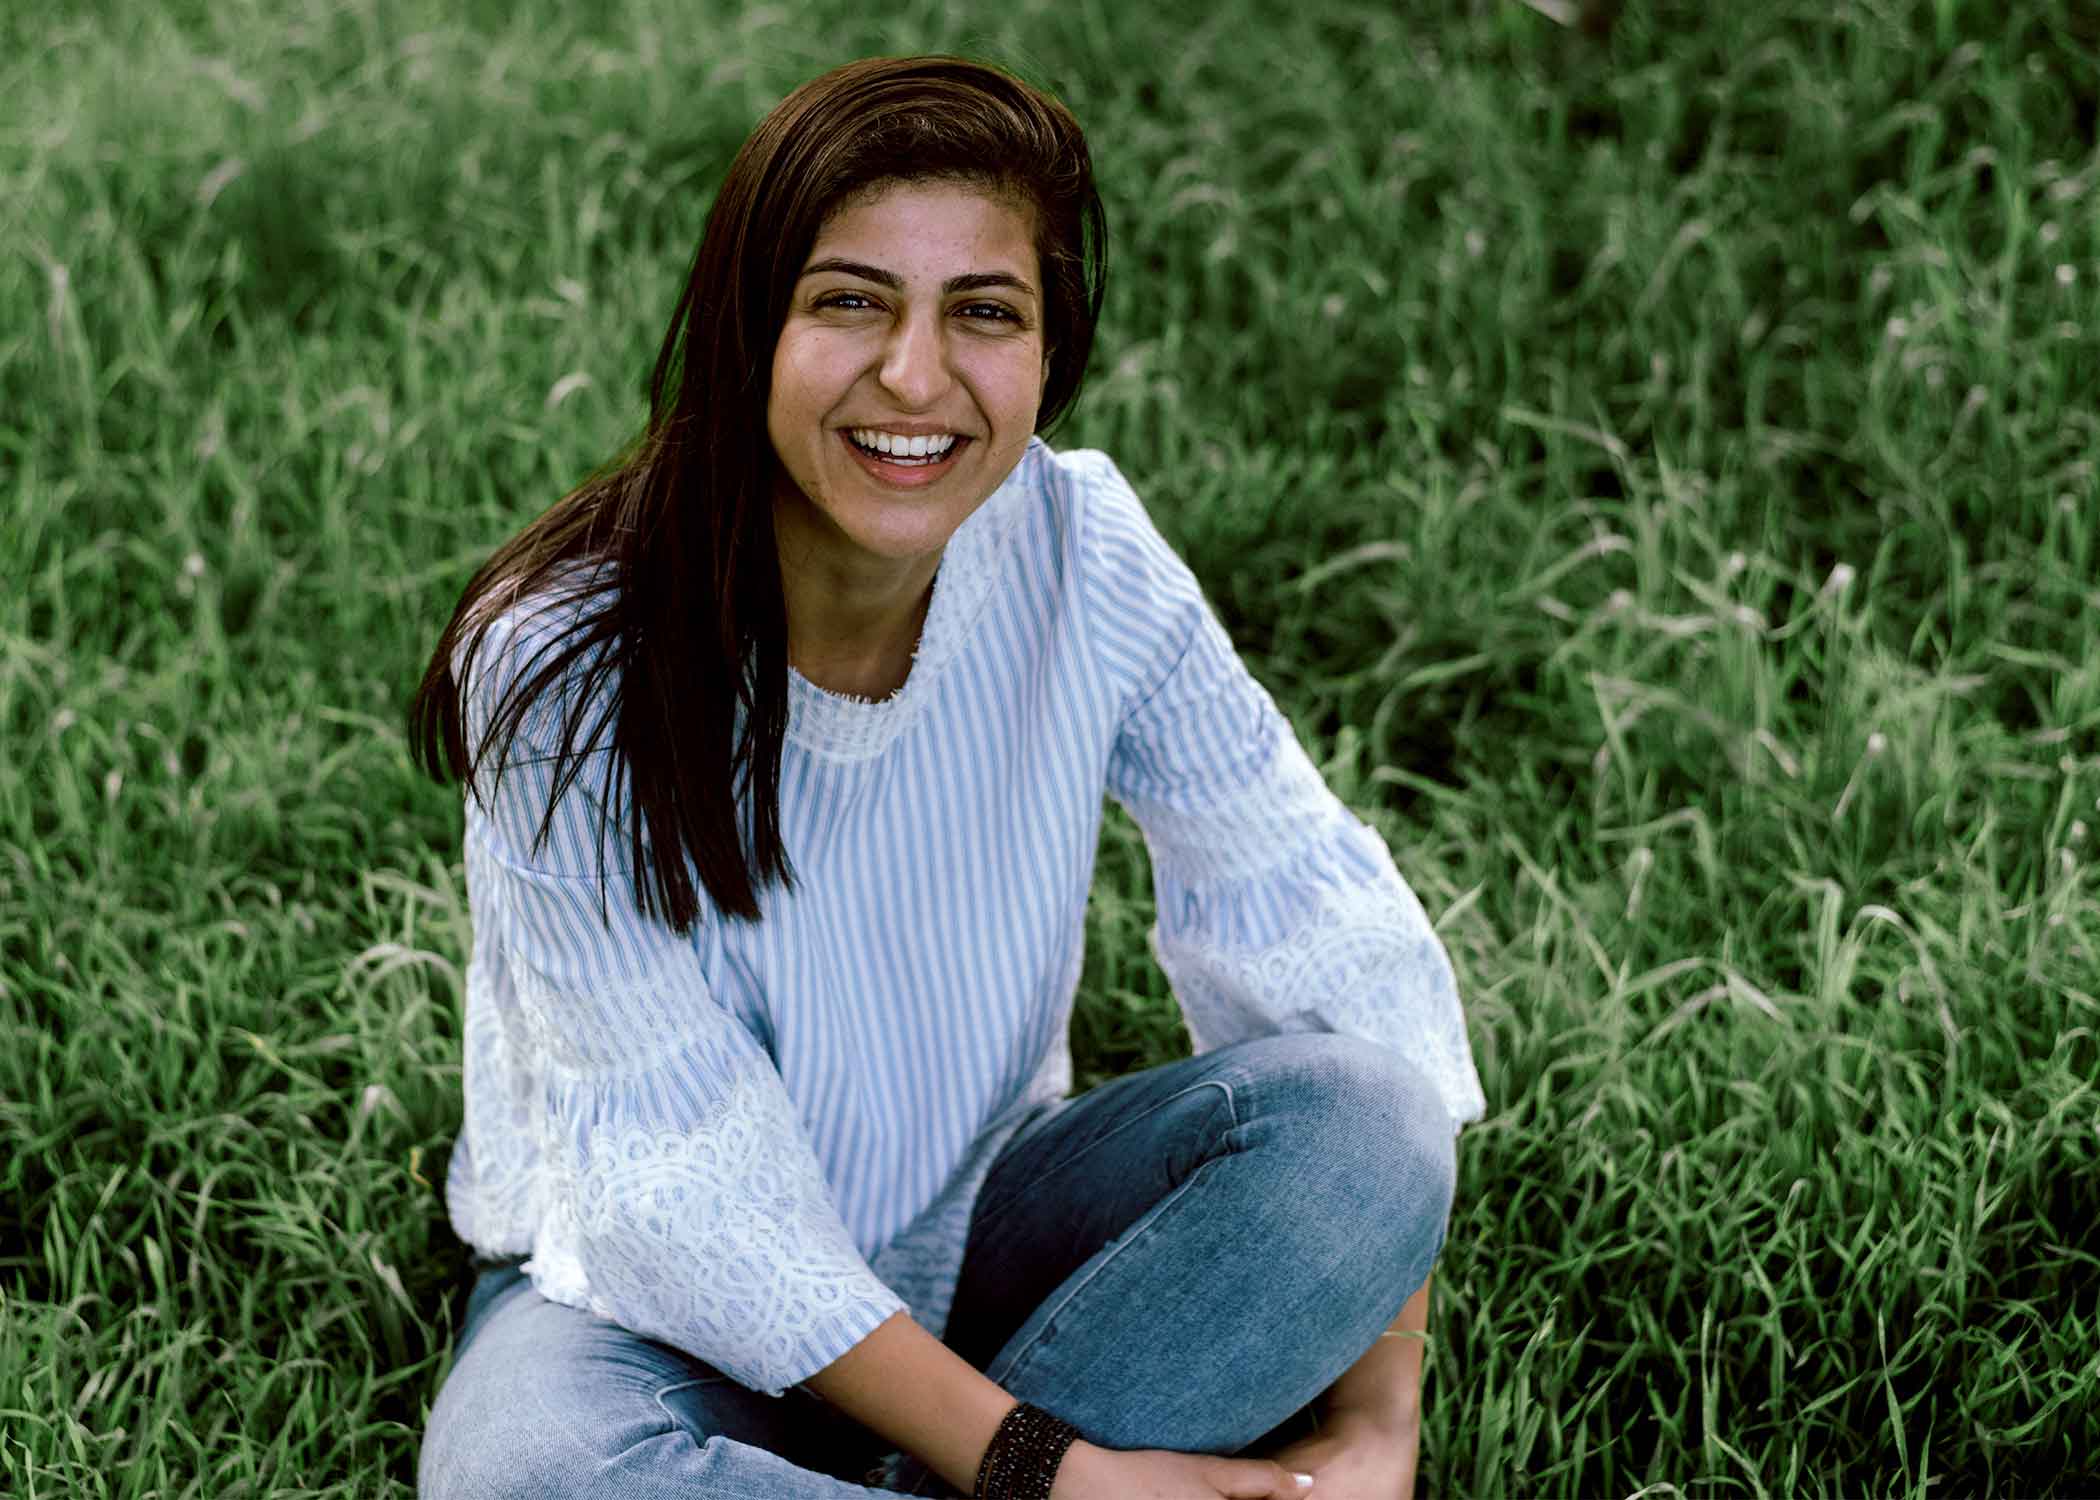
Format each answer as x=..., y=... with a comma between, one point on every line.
x=1083, y=483
x=536, y=674
x=1062, y=520
x=525, y=620
x=1104, y=529
x=512, y=635
x=1141, y=604
x=1124, y=561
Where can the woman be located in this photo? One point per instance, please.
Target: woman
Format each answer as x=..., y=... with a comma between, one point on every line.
x=772, y=1175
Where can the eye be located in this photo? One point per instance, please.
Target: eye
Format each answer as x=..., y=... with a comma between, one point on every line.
x=846, y=301
x=990, y=312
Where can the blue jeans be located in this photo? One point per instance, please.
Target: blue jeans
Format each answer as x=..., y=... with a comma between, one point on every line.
x=1181, y=1258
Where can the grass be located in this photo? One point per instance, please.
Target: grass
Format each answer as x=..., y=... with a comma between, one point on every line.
x=1658, y=476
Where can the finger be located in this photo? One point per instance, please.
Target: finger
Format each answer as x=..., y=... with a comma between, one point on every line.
x=1260, y=1479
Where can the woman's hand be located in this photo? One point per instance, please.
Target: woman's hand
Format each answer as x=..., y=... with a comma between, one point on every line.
x=1353, y=1457
x=1091, y=1473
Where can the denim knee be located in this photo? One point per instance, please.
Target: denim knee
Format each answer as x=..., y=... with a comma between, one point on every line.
x=1372, y=1146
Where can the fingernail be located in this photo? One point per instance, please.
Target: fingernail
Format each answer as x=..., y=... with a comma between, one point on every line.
x=1304, y=1481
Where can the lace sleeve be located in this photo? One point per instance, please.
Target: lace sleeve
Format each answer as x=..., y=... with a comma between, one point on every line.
x=1278, y=909
x=680, y=1195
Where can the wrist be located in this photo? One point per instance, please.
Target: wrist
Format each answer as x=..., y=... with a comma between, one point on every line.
x=1077, y=1476
x=1025, y=1456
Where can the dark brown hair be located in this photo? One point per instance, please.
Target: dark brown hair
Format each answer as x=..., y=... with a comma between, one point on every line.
x=664, y=561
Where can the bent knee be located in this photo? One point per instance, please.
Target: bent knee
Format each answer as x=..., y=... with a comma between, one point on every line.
x=1370, y=1128
x=1380, y=1094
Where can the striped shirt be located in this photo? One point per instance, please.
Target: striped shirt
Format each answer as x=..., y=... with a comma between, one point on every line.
x=757, y=1141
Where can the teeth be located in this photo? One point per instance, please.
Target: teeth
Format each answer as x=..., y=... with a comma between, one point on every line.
x=903, y=447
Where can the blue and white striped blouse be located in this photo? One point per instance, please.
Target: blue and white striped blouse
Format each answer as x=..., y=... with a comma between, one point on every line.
x=758, y=1141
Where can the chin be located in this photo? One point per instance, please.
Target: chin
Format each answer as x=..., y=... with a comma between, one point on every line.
x=902, y=543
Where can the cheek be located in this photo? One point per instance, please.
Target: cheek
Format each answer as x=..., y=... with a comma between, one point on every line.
x=803, y=379
x=1014, y=385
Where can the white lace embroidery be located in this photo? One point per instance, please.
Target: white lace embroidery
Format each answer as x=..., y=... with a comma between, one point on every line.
x=841, y=728
x=713, y=1237
x=718, y=1233
x=1365, y=963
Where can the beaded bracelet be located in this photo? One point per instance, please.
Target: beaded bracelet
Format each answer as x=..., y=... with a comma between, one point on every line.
x=1021, y=1461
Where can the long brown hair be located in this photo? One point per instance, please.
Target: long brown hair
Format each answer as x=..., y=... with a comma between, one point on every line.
x=667, y=555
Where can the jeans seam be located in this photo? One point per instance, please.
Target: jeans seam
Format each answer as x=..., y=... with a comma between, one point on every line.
x=991, y=1211
x=1151, y=1216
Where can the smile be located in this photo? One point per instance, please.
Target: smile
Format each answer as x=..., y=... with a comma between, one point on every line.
x=896, y=447
x=903, y=462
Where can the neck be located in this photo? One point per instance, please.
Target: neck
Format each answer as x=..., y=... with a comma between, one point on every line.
x=853, y=626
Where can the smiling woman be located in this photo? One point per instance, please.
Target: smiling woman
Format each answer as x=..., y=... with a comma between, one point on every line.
x=787, y=1198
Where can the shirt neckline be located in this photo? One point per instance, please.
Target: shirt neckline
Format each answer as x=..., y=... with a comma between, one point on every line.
x=842, y=727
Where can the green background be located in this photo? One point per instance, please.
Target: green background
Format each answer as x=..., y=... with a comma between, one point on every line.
x=1656, y=474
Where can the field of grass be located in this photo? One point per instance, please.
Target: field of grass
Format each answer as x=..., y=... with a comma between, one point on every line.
x=1657, y=475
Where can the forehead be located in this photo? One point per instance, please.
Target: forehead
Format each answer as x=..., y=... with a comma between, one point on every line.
x=944, y=225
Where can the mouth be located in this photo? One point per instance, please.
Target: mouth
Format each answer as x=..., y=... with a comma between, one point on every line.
x=903, y=471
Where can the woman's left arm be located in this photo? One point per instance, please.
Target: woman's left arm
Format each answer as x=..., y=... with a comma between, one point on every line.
x=1278, y=908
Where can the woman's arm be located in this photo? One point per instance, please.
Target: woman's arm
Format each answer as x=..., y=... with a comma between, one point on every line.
x=1278, y=908
x=905, y=1384
x=673, y=1189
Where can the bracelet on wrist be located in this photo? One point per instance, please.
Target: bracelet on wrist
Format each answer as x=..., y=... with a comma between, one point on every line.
x=1020, y=1462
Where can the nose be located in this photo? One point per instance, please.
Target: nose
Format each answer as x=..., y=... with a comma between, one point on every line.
x=915, y=363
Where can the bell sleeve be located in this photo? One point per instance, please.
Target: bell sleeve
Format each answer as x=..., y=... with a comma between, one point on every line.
x=1278, y=909
x=680, y=1196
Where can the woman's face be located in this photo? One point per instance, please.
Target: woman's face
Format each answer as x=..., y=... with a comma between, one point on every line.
x=916, y=327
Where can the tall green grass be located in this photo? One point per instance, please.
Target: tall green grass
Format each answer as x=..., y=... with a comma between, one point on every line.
x=1657, y=476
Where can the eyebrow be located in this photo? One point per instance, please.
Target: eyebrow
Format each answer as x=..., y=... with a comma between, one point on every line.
x=969, y=281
